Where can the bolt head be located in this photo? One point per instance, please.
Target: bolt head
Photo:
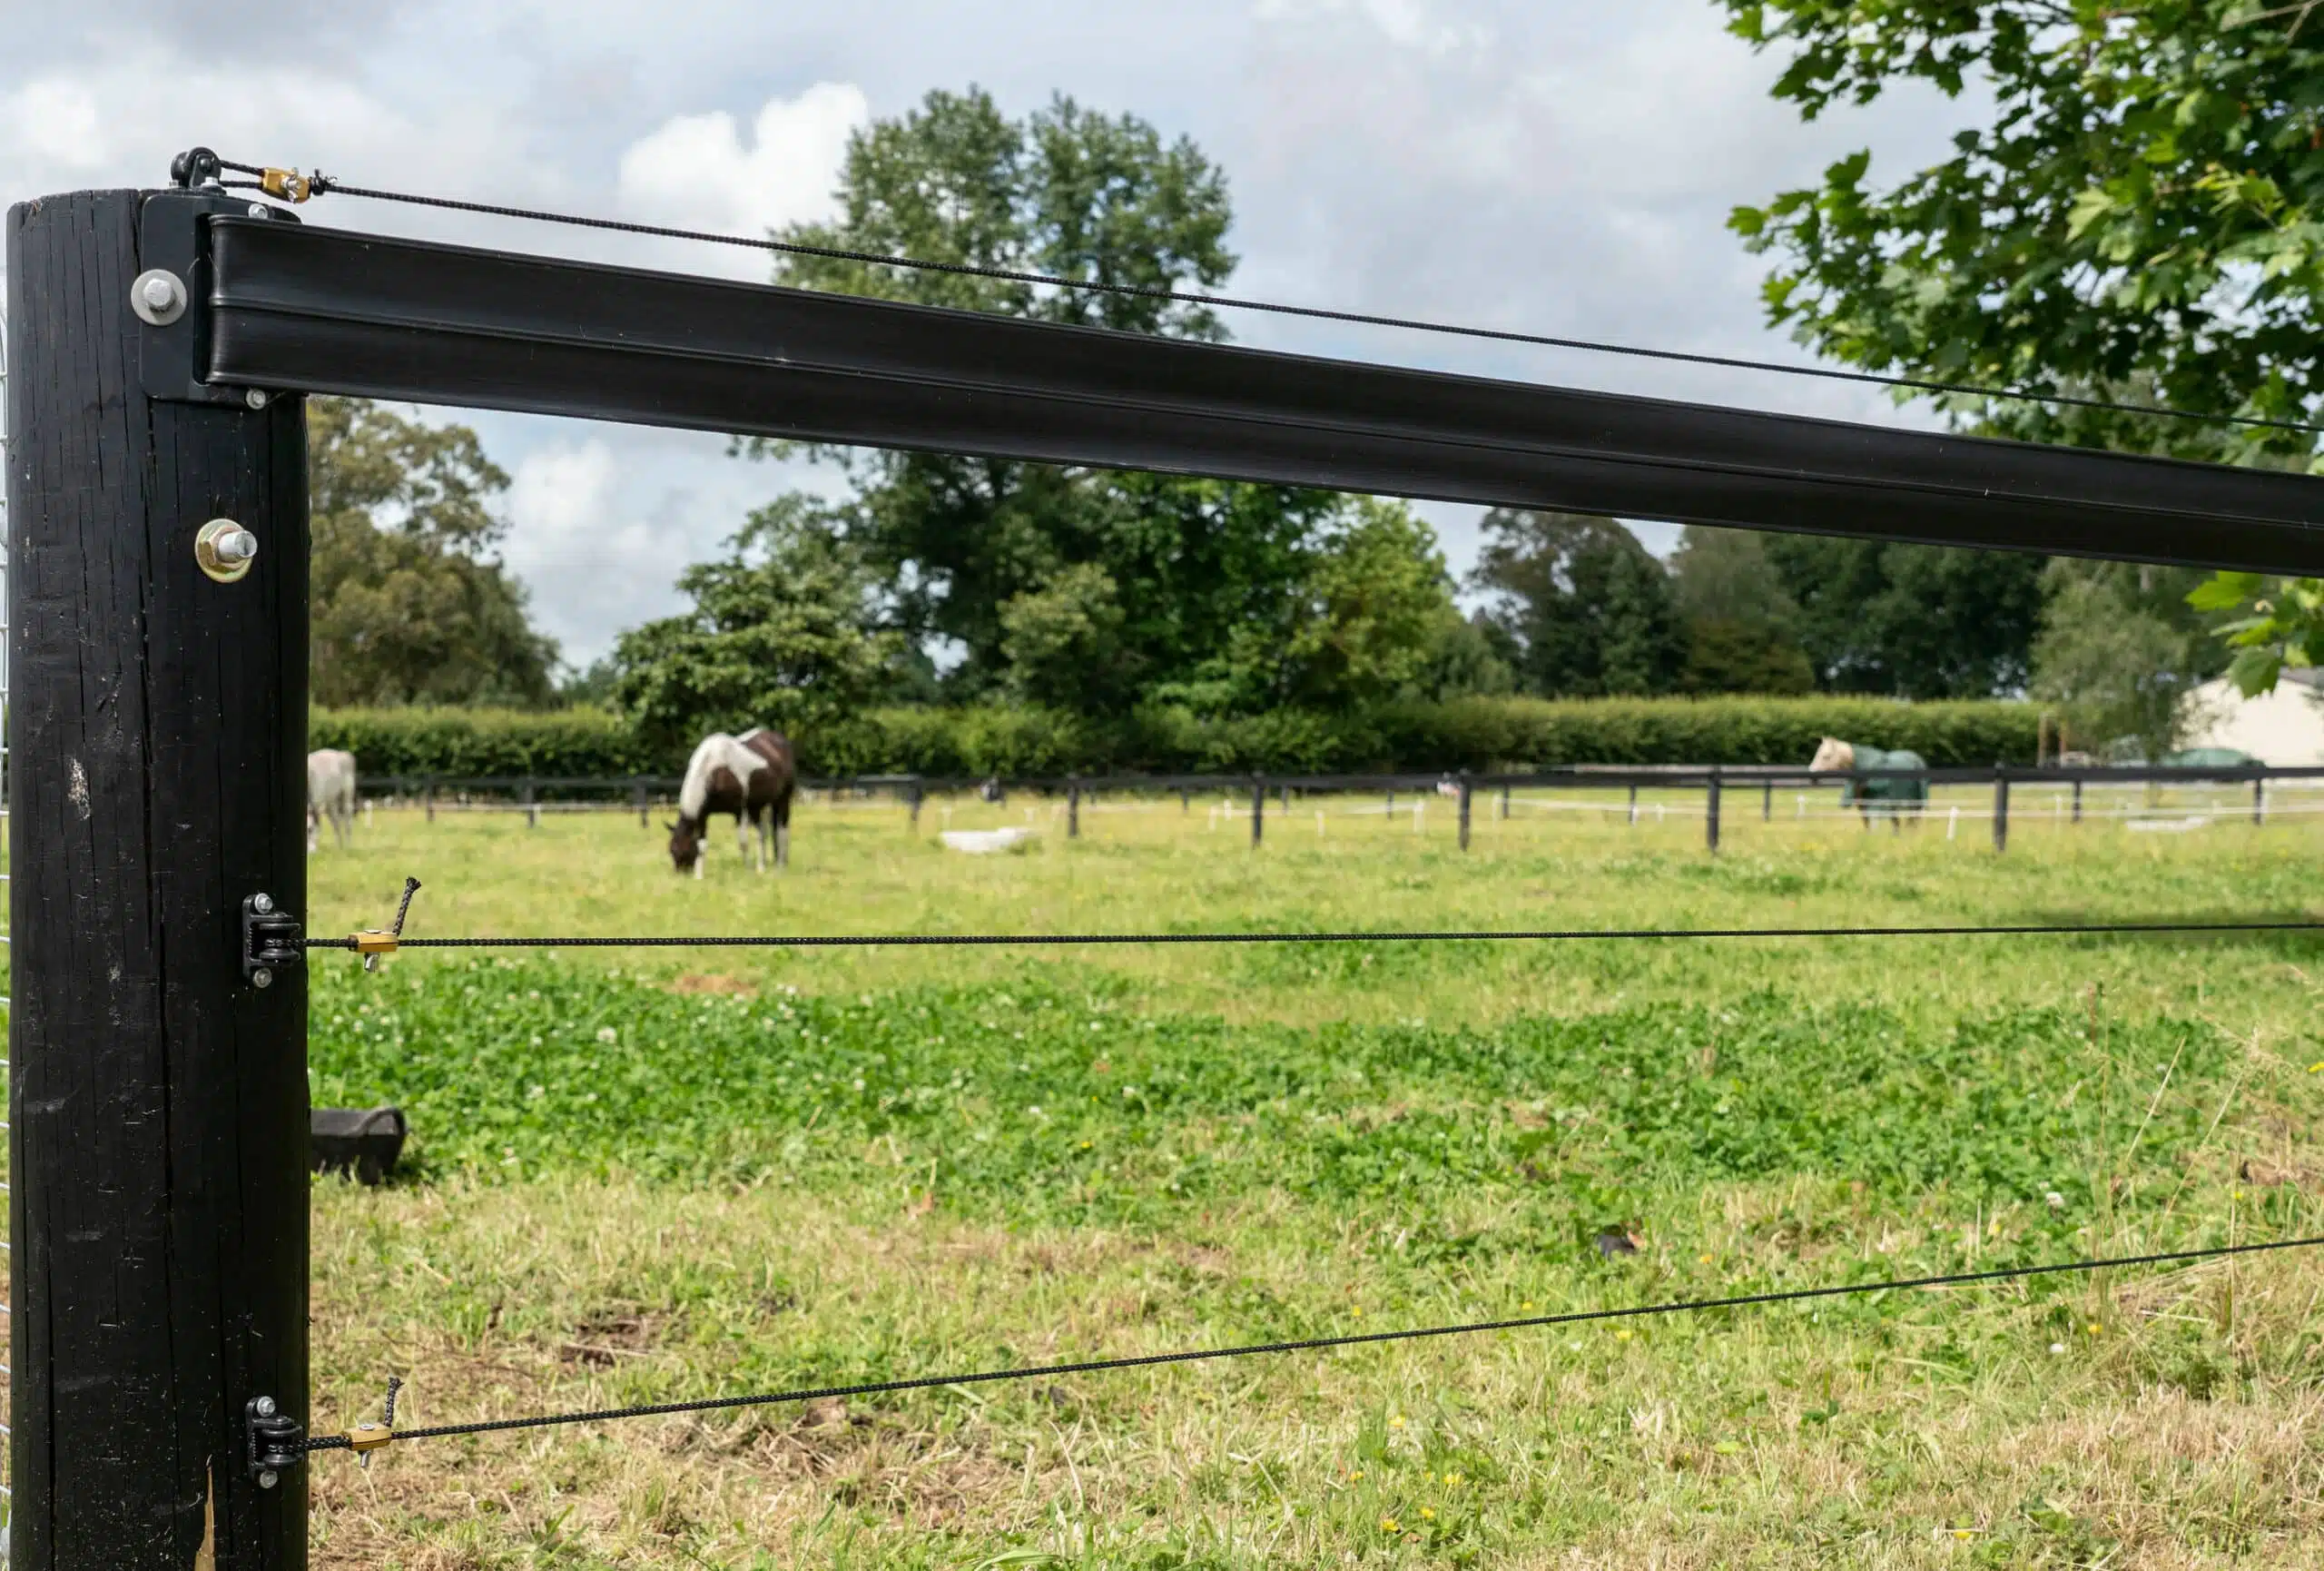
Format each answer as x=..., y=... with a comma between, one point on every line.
x=263, y=1407
x=263, y=977
x=260, y=210
x=262, y=903
x=158, y=297
x=255, y=398
x=269, y=1479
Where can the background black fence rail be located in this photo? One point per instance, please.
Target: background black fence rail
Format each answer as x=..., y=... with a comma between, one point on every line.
x=643, y=793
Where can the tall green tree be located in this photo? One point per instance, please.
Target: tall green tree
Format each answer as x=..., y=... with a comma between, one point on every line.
x=786, y=630
x=2140, y=217
x=1911, y=621
x=409, y=604
x=1739, y=621
x=1085, y=588
x=2121, y=654
x=1579, y=606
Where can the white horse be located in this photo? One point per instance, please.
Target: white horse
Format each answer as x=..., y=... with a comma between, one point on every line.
x=752, y=776
x=330, y=794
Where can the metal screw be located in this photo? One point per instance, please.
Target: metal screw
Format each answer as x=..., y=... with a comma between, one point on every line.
x=261, y=977
x=264, y=1406
x=260, y=210
x=255, y=398
x=269, y=1479
x=225, y=550
x=262, y=903
x=158, y=297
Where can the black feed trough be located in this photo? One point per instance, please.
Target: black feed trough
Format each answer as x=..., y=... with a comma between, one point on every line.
x=363, y=1141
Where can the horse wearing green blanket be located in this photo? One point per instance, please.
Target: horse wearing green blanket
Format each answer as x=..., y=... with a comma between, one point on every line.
x=1891, y=798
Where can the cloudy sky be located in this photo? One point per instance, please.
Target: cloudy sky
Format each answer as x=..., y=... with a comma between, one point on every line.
x=1561, y=165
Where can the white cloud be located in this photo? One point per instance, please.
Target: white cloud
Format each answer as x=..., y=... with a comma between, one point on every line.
x=1564, y=166
x=1407, y=23
x=700, y=171
x=592, y=564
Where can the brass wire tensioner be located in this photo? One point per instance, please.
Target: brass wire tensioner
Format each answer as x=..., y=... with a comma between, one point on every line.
x=371, y=943
x=199, y=166
x=369, y=1436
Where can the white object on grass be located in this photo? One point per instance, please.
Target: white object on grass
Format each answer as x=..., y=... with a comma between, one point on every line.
x=985, y=842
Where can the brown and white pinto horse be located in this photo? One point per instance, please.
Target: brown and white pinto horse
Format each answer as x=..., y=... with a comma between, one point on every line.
x=752, y=776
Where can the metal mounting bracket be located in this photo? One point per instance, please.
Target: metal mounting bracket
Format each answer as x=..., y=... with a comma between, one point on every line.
x=173, y=330
x=272, y=939
x=277, y=1441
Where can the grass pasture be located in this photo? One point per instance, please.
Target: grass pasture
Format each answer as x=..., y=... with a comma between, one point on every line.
x=645, y=1175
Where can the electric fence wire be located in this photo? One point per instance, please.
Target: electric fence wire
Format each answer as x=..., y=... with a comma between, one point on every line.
x=321, y=184
x=1456, y=935
x=1319, y=1344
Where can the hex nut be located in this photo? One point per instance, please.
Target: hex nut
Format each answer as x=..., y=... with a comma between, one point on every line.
x=224, y=549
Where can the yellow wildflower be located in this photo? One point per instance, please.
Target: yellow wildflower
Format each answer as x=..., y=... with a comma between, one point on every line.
x=1428, y=1513
x=1390, y=1524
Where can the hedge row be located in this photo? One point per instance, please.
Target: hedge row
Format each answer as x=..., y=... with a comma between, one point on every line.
x=1474, y=733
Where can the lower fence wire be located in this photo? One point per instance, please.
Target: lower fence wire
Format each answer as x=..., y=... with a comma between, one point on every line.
x=1549, y=934
x=1317, y=1344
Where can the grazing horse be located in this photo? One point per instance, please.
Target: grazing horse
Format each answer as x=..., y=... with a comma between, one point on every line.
x=1891, y=798
x=330, y=794
x=752, y=776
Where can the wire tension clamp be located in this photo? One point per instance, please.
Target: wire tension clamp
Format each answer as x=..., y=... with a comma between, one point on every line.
x=367, y=1438
x=373, y=942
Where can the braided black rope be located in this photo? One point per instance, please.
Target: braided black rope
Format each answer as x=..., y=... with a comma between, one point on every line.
x=1317, y=1344
x=1476, y=935
x=321, y=184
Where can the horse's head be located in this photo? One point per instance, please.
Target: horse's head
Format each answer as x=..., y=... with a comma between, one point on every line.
x=686, y=845
x=1833, y=756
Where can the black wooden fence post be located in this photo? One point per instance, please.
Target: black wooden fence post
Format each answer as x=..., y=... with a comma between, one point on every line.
x=1258, y=809
x=912, y=794
x=1465, y=809
x=2259, y=799
x=1767, y=801
x=1710, y=810
x=2001, y=807
x=2077, y=801
x=158, y=727
x=637, y=799
x=1073, y=806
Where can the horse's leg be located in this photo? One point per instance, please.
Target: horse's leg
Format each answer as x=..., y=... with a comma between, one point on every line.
x=758, y=839
x=783, y=832
x=741, y=833
x=311, y=827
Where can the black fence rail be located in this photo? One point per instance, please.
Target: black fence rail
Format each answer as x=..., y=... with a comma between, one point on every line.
x=643, y=793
